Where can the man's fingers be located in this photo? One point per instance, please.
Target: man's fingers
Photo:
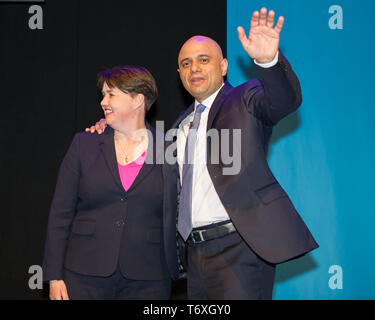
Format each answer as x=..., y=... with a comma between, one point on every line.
x=254, y=19
x=102, y=124
x=280, y=24
x=263, y=17
x=241, y=34
x=97, y=128
x=58, y=291
x=64, y=294
x=271, y=19
x=55, y=295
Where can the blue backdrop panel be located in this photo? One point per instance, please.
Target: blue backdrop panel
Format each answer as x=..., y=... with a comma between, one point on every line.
x=324, y=154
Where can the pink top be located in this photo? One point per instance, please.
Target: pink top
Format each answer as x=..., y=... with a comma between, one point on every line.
x=129, y=172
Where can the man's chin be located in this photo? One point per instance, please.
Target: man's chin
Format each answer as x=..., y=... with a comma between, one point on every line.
x=197, y=94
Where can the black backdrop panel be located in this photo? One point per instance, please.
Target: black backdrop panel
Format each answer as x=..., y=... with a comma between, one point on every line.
x=48, y=86
x=147, y=33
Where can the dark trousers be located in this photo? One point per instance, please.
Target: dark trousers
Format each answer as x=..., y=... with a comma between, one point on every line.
x=115, y=287
x=227, y=269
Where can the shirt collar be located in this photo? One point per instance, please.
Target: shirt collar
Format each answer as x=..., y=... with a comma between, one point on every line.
x=209, y=101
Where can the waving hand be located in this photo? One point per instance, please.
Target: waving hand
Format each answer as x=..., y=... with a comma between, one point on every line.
x=263, y=41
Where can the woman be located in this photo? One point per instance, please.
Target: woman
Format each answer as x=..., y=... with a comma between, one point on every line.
x=105, y=230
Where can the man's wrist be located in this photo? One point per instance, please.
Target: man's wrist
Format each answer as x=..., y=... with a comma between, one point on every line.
x=270, y=63
x=52, y=281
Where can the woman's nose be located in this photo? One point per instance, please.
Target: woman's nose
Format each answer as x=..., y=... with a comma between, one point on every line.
x=103, y=103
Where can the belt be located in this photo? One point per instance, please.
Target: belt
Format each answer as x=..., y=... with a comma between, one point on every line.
x=198, y=236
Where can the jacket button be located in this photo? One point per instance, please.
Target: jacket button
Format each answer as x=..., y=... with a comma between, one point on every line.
x=122, y=199
x=119, y=223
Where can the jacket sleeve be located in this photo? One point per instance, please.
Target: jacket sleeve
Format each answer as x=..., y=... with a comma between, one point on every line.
x=277, y=95
x=62, y=212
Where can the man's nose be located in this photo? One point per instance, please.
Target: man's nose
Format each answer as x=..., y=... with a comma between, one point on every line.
x=195, y=67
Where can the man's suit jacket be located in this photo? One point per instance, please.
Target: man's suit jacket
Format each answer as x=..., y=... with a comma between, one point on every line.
x=94, y=225
x=257, y=205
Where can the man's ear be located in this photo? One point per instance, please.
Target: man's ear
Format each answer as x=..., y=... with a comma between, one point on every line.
x=224, y=67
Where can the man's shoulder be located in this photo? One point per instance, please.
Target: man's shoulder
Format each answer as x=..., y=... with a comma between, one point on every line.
x=249, y=84
x=244, y=90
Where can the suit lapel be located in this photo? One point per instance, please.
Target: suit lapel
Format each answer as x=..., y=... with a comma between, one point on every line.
x=151, y=157
x=175, y=173
x=108, y=148
x=218, y=103
x=107, y=145
x=213, y=110
x=183, y=115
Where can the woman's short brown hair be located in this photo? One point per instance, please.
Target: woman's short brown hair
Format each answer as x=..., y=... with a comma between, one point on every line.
x=132, y=80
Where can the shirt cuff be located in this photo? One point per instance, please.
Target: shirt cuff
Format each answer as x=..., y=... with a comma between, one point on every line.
x=269, y=64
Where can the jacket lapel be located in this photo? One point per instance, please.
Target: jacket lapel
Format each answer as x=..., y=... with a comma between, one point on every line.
x=151, y=157
x=107, y=145
x=108, y=148
x=213, y=110
x=183, y=115
x=218, y=103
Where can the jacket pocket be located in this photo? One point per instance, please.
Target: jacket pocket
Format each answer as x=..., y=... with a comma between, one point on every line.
x=83, y=227
x=270, y=193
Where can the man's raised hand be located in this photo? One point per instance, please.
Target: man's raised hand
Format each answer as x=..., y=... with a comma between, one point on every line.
x=263, y=41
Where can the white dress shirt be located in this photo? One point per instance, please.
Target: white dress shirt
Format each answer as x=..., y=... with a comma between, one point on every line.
x=206, y=204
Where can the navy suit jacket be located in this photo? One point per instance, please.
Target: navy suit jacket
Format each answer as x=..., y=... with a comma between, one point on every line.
x=257, y=205
x=94, y=225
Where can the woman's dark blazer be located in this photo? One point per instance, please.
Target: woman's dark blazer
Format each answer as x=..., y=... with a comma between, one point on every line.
x=94, y=225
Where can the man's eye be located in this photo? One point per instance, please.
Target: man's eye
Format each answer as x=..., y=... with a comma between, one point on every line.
x=185, y=64
x=204, y=60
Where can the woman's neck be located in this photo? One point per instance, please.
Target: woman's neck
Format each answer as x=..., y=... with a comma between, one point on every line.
x=131, y=133
x=130, y=143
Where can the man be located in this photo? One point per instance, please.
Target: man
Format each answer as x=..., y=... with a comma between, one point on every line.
x=236, y=227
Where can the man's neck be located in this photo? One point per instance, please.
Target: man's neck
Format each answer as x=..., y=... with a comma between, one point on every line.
x=210, y=99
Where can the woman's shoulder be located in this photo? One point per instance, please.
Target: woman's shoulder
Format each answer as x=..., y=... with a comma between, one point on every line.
x=87, y=139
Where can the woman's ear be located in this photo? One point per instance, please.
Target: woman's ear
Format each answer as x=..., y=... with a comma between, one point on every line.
x=139, y=100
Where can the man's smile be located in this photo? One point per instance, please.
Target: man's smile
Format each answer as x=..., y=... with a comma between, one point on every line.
x=196, y=81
